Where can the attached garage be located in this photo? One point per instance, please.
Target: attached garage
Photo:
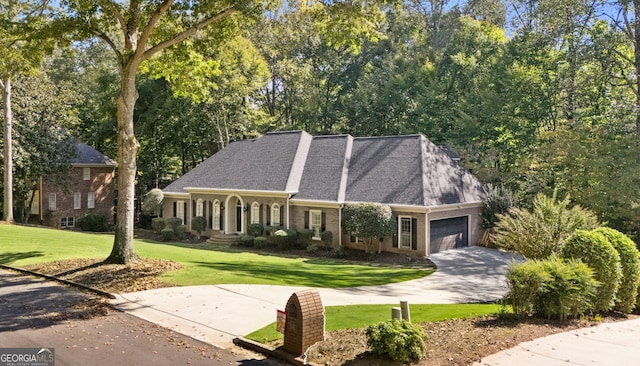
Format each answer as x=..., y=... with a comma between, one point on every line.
x=448, y=234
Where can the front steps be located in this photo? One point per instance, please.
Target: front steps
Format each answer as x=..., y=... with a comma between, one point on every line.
x=223, y=239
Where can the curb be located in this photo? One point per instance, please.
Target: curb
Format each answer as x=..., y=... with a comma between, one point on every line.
x=60, y=280
x=277, y=353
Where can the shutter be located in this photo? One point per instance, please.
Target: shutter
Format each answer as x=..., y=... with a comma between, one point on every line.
x=352, y=239
x=306, y=219
x=210, y=215
x=221, y=218
x=184, y=220
x=193, y=208
x=268, y=213
x=261, y=214
x=323, y=228
x=394, y=237
x=414, y=234
x=282, y=217
x=175, y=208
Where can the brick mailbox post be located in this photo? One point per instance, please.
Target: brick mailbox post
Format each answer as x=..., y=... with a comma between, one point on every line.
x=305, y=321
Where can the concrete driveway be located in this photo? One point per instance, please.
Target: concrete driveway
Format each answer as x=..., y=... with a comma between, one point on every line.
x=218, y=314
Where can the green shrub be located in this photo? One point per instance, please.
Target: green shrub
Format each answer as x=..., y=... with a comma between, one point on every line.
x=167, y=233
x=180, y=231
x=305, y=236
x=260, y=242
x=525, y=281
x=173, y=222
x=152, y=203
x=538, y=233
x=255, y=230
x=569, y=291
x=199, y=224
x=327, y=238
x=553, y=288
x=247, y=240
x=285, y=239
x=313, y=248
x=93, y=222
x=630, y=261
x=399, y=340
x=594, y=250
x=271, y=229
x=144, y=221
x=158, y=223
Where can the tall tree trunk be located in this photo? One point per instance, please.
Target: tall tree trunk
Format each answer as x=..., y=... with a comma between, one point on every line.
x=123, y=251
x=8, y=155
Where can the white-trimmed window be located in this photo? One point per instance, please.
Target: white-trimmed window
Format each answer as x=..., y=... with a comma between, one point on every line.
x=67, y=222
x=180, y=210
x=86, y=173
x=90, y=200
x=315, y=222
x=200, y=207
x=52, y=201
x=255, y=213
x=275, y=214
x=405, y=232
x=77, y=200
x=216, y=215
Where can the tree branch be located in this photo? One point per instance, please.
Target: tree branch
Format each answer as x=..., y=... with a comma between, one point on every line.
x=116, y=13
x=187, y=33
x=153, y=21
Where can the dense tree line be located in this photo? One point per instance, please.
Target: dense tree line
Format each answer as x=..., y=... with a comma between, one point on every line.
x=535, y=95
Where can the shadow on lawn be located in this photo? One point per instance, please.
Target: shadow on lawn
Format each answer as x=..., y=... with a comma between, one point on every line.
x=7, y=258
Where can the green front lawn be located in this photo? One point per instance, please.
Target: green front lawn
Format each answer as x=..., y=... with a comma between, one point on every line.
x=361, y=316
x=20, y=245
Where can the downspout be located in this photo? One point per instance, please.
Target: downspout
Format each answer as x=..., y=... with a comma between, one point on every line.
x=427, y=233
x=41, y=203
x=340, y=225
x=288, y=209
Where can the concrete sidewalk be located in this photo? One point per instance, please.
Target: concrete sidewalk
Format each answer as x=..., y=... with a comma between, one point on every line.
x=603, y=345
x=218, y=314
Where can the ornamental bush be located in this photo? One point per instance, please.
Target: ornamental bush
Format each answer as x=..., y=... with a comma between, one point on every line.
x=304, y=237
x=285, y=239
x=553, y=288
x=594, y=250
x=327, y=238
x=167, y=233
x=260, y=242
x=247, y=240
x=399, y=340
x=538, y=233
x=93, y=222
x=630, y=262
x=158, y=223
x=180, y=231
x=173, y=222
x=199, y=224
x=255, y=230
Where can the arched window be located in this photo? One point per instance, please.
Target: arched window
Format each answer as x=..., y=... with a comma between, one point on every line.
x=200, y=207
x=275, y=215
x=216, y=215
x=255, y=213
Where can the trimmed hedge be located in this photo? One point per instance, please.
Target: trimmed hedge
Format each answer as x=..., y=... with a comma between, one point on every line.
x=158, y=223
x=93, y=222
x=260, y=242
x=630, y=260
x=173, y=222
x=594, y=250
x=199, y=224
x=399, y=340
x=285, y=239
x=553, y=288
x=247, y=240
x=255, y=230
x=167, y=233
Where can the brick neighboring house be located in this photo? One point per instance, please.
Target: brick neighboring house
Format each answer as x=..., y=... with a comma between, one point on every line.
x=295, y=180
x=90, y=189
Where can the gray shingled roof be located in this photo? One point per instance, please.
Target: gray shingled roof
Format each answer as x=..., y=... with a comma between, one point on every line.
x=262, y=164
x=90, y=156
x=402, y=170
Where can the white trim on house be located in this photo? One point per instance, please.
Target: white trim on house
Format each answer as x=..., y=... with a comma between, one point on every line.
x=453, y=207
x=275, y=214
x=401, y=241
x=311, y=203
x=232, y=192
x=255, y=213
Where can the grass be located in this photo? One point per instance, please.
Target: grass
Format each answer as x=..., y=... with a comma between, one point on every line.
x=361, y=316
x=20, y=245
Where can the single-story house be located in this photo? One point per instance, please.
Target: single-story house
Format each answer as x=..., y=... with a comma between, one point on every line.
x=295, y=180
x=90, y=189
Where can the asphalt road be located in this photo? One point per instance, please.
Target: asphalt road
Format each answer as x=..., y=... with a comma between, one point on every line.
x=39, y=314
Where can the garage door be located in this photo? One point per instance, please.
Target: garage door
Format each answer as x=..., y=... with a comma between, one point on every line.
x=449, y=233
